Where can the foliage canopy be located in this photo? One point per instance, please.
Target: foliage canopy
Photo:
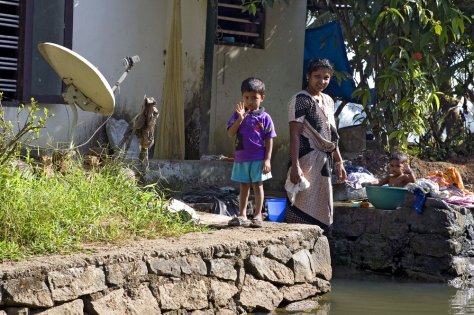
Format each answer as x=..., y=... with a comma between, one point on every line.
x=417, y=56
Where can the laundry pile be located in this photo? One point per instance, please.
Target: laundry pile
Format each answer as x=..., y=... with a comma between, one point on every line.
x=357, y=176
x=444, y=184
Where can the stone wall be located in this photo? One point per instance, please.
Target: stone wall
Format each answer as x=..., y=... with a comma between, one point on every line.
x=436, y=245
x=227, y=271
x=184, y=175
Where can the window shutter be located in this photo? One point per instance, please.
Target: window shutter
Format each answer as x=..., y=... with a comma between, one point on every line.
x=9, y=46
x=238, y=28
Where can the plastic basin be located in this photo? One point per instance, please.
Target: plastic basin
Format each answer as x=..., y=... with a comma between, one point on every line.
x=276, y=209
x=386, y=197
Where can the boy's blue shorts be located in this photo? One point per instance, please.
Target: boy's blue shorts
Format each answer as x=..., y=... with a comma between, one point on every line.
x=249, y=172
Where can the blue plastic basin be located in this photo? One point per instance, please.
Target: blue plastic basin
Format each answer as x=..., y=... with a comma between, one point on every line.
x=276, y=209
x=386, y=197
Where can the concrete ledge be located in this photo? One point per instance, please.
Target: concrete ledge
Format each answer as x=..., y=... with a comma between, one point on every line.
x=226, y=271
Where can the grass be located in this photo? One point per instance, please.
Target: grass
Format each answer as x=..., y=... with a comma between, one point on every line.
x=44, y=213
x=56, y=206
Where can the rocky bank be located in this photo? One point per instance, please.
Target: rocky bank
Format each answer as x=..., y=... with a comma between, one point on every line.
x=223, y=271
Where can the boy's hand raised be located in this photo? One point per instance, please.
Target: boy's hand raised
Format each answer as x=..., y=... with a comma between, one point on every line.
x=240, y=109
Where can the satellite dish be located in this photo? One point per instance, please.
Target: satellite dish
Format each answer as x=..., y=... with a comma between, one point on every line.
x=86, y=86
x=81, y=77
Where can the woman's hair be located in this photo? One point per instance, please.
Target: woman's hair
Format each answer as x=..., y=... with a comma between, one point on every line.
x=253, y=85
x=319, y=63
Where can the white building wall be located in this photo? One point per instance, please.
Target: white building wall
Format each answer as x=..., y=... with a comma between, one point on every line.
x=105, y=32
x=279, y=65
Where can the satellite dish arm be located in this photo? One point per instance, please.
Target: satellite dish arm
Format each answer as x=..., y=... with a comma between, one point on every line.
x=128, y=63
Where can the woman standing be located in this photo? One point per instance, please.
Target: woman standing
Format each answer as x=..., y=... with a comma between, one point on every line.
x=314, y=148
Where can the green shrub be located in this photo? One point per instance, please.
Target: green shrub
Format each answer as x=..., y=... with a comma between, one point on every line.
x=24, y=130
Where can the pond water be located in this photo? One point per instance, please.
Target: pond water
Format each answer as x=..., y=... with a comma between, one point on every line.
x=358, y=296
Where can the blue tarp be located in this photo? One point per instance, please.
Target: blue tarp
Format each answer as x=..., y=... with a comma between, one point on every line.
x=327, y=42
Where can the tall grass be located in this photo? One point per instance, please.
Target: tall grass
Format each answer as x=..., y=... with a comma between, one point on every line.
x=44, y=211
x=57, y=213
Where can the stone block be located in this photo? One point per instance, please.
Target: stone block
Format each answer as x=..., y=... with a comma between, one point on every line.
x=374, y=252
x=298, y=292
x=431, y=245
x=118, y=274
x=189, y=294
x=321, y=259
x=29, y=291
x=164, y=267
x=112, y=303
x=141, y=301
x=189, y=173
x=301, y=264
x=71, y=283
x=257, y=293
x=223, y=268
x=431, y=267
x=279, y=253
x=222, y=292
x=75, y=307
x=270, y=270
x=195, y=266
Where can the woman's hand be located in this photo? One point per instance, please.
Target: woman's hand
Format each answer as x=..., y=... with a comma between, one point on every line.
x=295, y=174
x=341, y=172
x=296, y=129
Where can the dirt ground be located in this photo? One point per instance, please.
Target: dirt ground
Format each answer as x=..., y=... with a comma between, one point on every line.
x=376, y=163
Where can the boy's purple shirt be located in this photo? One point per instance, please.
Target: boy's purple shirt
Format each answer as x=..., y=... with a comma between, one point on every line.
x=256, y=127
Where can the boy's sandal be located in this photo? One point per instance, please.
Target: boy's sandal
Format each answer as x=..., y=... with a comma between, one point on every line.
x=256, y=223
x=238, y=221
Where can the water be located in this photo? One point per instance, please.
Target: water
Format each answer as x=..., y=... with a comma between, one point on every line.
x=390, y=297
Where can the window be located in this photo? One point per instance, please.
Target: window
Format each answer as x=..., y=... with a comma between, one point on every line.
x=23, y=71
x=235, y=27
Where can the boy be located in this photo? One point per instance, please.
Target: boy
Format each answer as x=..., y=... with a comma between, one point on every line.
x=400, y=173
x=254, y=132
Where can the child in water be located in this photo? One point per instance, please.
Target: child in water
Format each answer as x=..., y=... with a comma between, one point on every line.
x=399, y=171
